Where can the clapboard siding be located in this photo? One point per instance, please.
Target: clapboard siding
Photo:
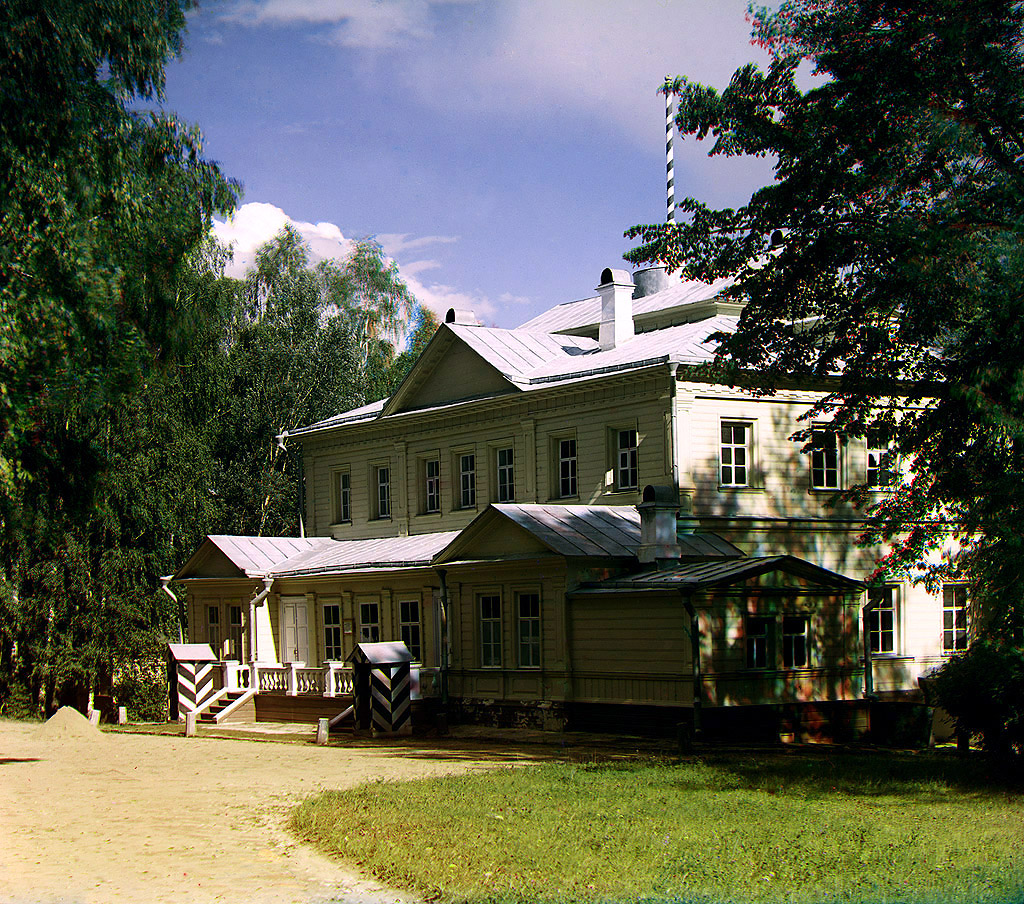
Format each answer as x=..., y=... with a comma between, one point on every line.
x=610, y=636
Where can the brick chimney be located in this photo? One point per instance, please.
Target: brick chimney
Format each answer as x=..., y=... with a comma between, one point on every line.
x=616, y=292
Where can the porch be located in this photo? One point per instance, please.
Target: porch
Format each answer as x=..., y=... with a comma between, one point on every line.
x=231, y=691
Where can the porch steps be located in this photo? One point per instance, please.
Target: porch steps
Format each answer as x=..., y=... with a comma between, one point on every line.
x=229, y=704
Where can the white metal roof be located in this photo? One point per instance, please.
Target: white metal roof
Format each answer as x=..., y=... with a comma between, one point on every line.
x=336, y=556
x=586, y=312
x=256, y=556
x=598, y=531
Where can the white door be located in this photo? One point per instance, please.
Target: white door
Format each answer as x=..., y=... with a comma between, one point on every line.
x=294, y=630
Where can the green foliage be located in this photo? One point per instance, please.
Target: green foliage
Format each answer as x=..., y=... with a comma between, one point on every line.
x=771, y=828
x=983, y=690
x=887, y=251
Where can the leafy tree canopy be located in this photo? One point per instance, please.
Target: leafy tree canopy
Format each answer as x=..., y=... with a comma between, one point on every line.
x=886, y=258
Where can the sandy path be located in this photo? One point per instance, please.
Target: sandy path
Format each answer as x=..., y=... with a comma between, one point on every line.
x=104, y=819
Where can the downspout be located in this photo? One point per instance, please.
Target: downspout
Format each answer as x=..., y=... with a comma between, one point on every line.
x=698, y=682
x=673, y=387
x=869, y=671
x=443, y=602
x=164, y=586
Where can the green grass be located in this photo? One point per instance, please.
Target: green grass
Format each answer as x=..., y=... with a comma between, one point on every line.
x=780, y=827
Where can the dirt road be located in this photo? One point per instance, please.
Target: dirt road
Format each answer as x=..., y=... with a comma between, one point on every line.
x=103, y=818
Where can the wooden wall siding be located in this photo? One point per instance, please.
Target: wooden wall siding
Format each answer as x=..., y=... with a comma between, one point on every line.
x=783, y=686
x=282, y=708
x=529, y=423
x=626, y=636
x=651, y=689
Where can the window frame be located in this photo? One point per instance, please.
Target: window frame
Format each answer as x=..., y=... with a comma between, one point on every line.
x=747, y=447
x=382, y=499
x=334, y=633
x=236, y=633
x=958, y=635
x=530, y=643
x=759, y=646
x=369, y=629
x=566, y=467
x=490, y=630
x=466, y=488
x=631, y=468
x=342, y=481
x=883, y=600
x=505, y=473
x=819, y=462
x=795, y=642
x=411, y=629
x=431, y=487
x=879, y=459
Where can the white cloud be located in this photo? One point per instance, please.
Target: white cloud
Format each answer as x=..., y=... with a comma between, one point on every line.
x=370, y=24
x=394, y=243
x=256, y=223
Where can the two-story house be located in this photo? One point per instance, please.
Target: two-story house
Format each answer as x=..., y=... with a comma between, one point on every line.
x=567, y=523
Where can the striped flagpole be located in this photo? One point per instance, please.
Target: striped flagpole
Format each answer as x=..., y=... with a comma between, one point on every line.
x=669, y=163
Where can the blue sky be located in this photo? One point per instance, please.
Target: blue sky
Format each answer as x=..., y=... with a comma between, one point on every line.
x=498, y=150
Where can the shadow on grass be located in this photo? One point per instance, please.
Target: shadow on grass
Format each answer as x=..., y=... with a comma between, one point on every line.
x=922, y=776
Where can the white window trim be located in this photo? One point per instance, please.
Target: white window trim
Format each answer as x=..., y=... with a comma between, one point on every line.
x=499, y=622
x=376, y=486
x=749, y=429
x=617, y=449
x=896, y=596
x=840, y=460
x=459, y=489
x=557, y=460
x=516, y=595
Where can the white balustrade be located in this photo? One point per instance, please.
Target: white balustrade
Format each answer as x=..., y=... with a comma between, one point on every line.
x=273, y=678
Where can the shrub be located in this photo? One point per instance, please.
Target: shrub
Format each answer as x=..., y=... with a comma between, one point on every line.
x=983, y=691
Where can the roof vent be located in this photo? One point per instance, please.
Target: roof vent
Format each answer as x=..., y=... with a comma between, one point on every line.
x=650, y=280
x=460, y=315
x=616, y=291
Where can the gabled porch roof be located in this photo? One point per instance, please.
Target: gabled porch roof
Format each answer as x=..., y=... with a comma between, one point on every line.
x=226, y=556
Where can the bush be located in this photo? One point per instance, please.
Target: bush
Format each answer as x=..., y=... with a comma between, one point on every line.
x=141, y=686
x=983, y=691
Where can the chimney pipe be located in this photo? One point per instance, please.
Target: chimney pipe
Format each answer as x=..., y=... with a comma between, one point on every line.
x=658, y=513
x=616, y=291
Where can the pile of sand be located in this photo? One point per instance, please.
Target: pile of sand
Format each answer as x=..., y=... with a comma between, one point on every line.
x=69, y=724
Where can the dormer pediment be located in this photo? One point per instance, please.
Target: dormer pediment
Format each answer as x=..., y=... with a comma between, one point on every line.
x=449, y=370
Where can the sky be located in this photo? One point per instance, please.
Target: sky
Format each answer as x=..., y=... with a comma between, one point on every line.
x=497, y=149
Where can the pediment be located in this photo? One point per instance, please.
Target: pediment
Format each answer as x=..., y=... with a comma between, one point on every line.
x=209, y=561
x=447, y=371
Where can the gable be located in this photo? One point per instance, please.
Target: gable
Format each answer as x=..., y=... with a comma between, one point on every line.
x=494, y=538
x=447, y=371
x=209, y=561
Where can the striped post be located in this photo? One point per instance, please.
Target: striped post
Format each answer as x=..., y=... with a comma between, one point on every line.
x=195, y=685
x=390, y=686
x=669, y=162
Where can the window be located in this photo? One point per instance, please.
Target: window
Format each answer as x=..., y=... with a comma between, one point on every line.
x=626, y=474
x=735, y=454
x=954, y=618
x=795, y=641
x=467, y=480
x=824, y=460
x=369, y=623
x=882, y=610
x=432, y=485
x=333, y=650
x=880, y=458
x=343, y=503
x=382, y=480
x=235, y=632
x=759, y=641
x=213, y=628
x=567, y=468
x=506, y=475
x=528, y=619
x=409, y=622
x=490, y=630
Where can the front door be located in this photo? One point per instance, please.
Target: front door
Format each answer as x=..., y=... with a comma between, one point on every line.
x=294, y=629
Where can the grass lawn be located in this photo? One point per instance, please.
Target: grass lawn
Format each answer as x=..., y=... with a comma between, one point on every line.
x=787, y=826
